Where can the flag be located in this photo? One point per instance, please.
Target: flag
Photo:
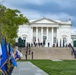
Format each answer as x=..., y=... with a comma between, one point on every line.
x=12, y=58
x=8, y=50
x=0, y=51
x=4, y=55
x=18, y=54
x=0, y=54
x=13, y=61
x=11, y=52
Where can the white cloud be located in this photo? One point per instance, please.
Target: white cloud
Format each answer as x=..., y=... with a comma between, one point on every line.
x=62, y=3
x=19, y=2
x=31, y=14
x=67, y=3
x=38, y=2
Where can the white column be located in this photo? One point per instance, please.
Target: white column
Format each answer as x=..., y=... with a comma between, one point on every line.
x=42, y=34
x=52, y=35
x=58, y=36
x=69, y=36
x=46, y=44
x=57, y=33
x=36, y=34
x=47, y=33
x=31, y=34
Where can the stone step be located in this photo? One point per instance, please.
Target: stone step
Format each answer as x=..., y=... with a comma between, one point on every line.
x=50, y=53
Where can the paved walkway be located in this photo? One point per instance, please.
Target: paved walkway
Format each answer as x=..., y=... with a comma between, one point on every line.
x=27, y=68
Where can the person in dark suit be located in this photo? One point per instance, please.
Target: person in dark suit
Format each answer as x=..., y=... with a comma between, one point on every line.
x=48, y=44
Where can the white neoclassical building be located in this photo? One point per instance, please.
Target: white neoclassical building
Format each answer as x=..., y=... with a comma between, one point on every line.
x=46, y=31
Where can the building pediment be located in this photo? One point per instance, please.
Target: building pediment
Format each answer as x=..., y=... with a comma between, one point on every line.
x=44, y=20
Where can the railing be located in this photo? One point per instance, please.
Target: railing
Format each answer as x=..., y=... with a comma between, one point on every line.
x=73, y=51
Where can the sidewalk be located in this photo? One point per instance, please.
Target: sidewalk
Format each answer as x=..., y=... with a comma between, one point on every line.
x=27, y=68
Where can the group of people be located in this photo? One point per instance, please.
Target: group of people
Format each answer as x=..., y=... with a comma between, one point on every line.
x=38, y=44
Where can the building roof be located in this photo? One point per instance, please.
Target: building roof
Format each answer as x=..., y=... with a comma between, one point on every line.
x=50, y=21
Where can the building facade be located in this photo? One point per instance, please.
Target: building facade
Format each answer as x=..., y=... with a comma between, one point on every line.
x=46, y=31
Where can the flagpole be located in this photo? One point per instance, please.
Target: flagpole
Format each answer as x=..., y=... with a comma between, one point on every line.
x=4, y=64
x=2, y=72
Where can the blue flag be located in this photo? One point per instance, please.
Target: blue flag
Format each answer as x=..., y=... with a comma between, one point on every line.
x=18, y=54
x=4, y=55
x=13, y=61
x=0, y=54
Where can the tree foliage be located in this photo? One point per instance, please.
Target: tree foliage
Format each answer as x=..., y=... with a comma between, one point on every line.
x=10, y=20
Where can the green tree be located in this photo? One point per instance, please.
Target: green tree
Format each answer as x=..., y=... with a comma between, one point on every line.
x=10, y=20
x=2, y=8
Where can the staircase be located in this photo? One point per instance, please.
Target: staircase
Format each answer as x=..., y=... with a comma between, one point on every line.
x=54, y=53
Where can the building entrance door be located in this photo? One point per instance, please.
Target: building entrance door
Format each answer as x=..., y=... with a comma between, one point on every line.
x=74, y=43
x=24, y=41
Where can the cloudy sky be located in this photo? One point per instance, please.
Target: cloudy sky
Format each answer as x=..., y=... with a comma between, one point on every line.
x=52, y=9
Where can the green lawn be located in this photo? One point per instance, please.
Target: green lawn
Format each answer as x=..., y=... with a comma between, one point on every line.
x=67, y=67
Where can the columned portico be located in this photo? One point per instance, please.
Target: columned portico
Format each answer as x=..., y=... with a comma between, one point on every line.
x=46, y=37
x=46, y=30
x=49, y=38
